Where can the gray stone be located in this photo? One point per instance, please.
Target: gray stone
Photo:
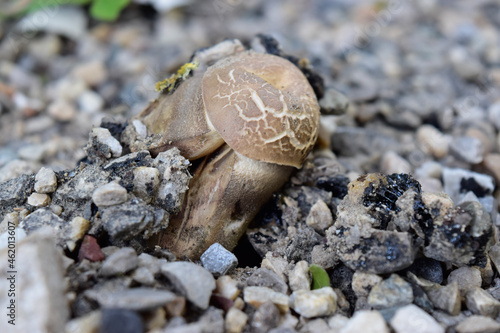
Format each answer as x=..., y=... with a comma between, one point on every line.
x=123, y=222
x=39, y=279
x=315, y=325
x=45, y=218
x=412, y=319
x=193, y=281
x=478, y=324
x=494, y=114
x=33, y=153
x=393, y=291
x=143, y=276
x=264, y=277
x=446, y=298
x=314, y=303
x=120, y=262
x=61, y=110
x=212, y=321
x=109, y=195
x=45, y=181
x=333, y=102
x=466, y=278
x=265, y=318
x=480, y=302
x=218, y=261
x=149, y=262
x=467, y=149
x=136, y=299
x=256, y=296
x=366, y=322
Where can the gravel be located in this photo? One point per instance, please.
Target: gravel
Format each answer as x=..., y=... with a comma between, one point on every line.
x=409, y=89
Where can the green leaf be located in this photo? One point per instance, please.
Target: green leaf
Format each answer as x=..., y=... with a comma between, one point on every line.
x=107, y=10
x=320, y=277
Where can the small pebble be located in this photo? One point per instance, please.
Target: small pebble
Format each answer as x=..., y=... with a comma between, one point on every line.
x=314, y=303
x=466, y=277
x=491, y=163
x=92, y=72
x=121, y=321
x=194, y=281
x=467, y=149
x=45, y=181
x=362, y=283
x=34, y=153
x=265, y=318
x=480, y=302
x=227, y=287
x=333, y=102
x=478, y=324
x=433, y=140
x=298, y=277
x=120, y=262
x=38, y=200
x=391, y=163
x=143, y=276
x=264, y=277
x=136, y=299
x=235, y=320
x=412, y=319
x=62, y=110
x=256, y=296
x=367, y=322
x=217, y=260
x=446, y=298
x=109, y=195
x=112, y=148
x=320, y=217
x=146, y=182
x=90, y=102
x=90, y=249
x=88, y=323
x=391, y=292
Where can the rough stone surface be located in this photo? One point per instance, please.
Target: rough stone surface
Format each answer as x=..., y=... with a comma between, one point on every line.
x=478, y=324
x=136, y=299
x=264, y=277
x=468, y=149
x=446, y=298
x=256, y=296
x=193, y=281
x=39, y=279
x=320, y=217
x=412, y=319
x=101, y=139
x=314, y=303
x=298, y=277
x=366, y=322
x=466, y=278
x=146, y=182
x=45, y=181
x=109, y=195
x=218, y=261
x=265, y=318
x=44, y=218
x=120, y=262
x=121, y=320
x=391, y=292
x=38, y=200
x=480, y=302
x=235, y=320
x=362, y=283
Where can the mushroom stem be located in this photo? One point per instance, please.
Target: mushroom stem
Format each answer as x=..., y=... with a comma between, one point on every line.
x=227, y=191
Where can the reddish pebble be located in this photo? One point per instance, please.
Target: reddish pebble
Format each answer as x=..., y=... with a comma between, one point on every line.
x=90, y=250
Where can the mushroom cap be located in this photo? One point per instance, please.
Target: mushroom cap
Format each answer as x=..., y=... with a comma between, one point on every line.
x=263, y=107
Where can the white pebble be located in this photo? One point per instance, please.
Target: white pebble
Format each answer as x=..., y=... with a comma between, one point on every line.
x=412, y=319
x=45, y=181
x=314, y=303
x=38, y=200
x=109, y=195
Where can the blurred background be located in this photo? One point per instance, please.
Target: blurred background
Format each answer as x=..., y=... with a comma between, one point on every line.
x=410, y=70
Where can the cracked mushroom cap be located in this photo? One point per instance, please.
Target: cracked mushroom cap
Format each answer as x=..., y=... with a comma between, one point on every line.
x=263, y=107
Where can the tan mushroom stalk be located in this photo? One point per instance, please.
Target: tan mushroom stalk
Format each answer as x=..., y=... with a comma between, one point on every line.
x=253, y=117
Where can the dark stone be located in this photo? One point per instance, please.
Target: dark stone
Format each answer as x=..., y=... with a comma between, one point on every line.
x=14, y=193
x=121, y=321
x=427, y=268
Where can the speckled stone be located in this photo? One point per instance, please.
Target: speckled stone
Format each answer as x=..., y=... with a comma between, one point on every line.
x=390, y=292
x=217, y=260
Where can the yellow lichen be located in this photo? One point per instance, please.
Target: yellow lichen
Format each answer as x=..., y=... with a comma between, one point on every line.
x=170, y=83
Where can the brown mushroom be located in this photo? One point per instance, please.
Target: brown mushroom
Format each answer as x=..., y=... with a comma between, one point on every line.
x=253, y=117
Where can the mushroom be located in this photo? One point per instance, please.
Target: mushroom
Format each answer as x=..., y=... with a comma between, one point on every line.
x=253, y=117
